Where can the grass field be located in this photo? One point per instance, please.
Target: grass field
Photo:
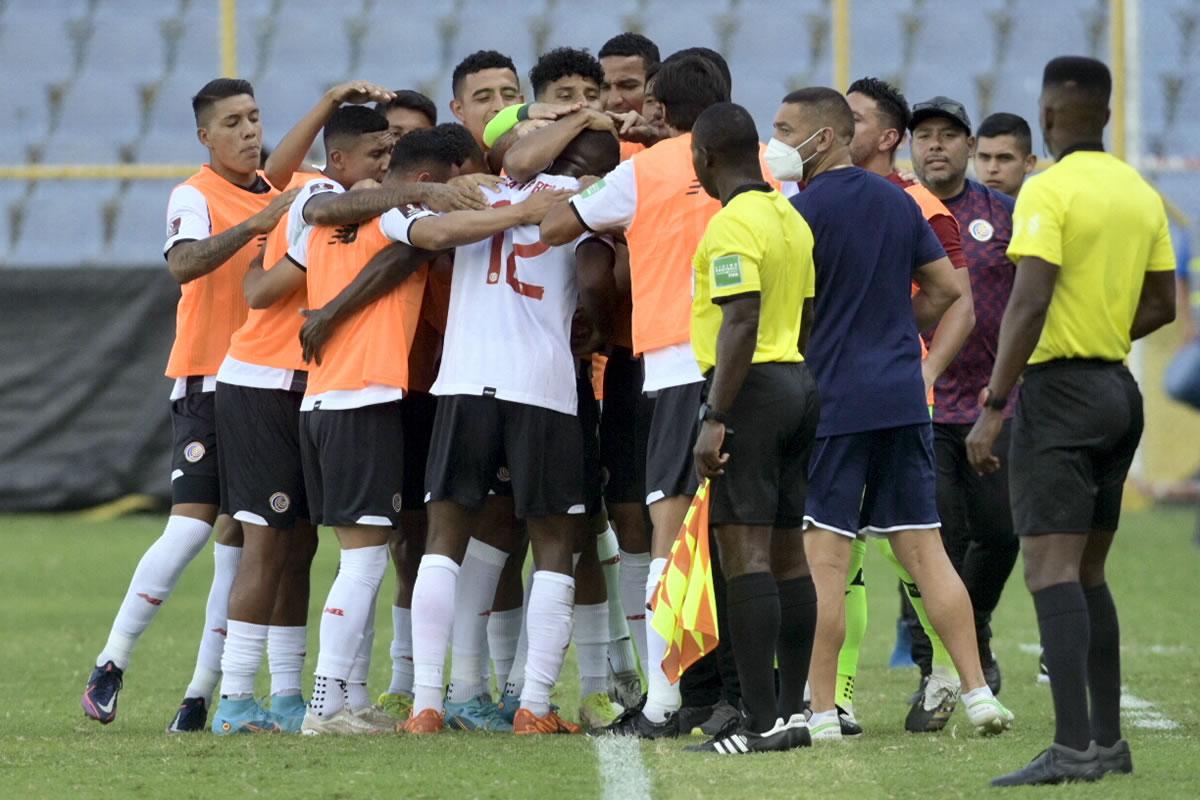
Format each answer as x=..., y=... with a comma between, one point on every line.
x=61, y=580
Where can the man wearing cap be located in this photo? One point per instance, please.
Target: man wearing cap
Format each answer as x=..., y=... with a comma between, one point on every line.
x=976, y=522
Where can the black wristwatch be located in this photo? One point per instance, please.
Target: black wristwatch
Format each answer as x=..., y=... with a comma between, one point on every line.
x=989, y=399
x=710, y=414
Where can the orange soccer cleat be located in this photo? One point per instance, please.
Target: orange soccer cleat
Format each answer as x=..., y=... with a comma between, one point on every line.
x=428, y=721
x=526, y=723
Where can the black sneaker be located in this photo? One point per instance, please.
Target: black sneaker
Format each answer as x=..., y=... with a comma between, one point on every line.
x=633, y=722
x=991, y=669
x=192, y=716
x=850, y=726
x=99, y=699
x=1057, y=764
x=1116, y=758
x=736, y=740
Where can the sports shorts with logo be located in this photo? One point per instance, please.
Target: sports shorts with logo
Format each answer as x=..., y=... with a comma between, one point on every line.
x=1077, y=428
x=354, y=464
x=477, y=438
x=769, y=440
x=194, y=450
x=878, y=482
x=589, y=427
x=624, y=427
x=417, y=409
x=258, y=448
x=670, y=470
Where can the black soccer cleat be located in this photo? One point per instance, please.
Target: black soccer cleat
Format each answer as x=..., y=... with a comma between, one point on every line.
x=736, y=740
x=633, y=722
x=991, y=668
x=934, y=705
x=192, y=716
x=99, y=698
x=848, y=722
x=1116, y=759
x=1057, y=764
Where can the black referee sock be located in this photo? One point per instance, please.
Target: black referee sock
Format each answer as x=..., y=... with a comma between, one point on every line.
x=753, y=611
x=1104, y=665
x=797, y=624
x=1062, y=615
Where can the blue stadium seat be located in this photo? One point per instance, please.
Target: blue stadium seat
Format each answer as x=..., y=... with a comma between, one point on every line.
x=139, y=9
x=141, y=224
x=10, y=191
x=33, y=60
x=318, y=41
x=162, y=147
x=98, y=116
x=63, y=224
x=401, y=46
x=124, y=48
x=674, y=26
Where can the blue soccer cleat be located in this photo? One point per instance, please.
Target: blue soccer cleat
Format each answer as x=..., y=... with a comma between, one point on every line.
x=478, y=714
x=242, y=716
x=902, y=652
x=508, y=705
x=99, y=699
x=191, y=717
x=287, y=711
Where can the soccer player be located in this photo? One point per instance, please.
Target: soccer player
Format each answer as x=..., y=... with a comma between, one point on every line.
x=625, y=59
x=976, y=521
x=1004, y=153
x=655, y=198
x=872, y=467
x=1094, y=272
x=505, y=405
x=483, y=83
x=351, y=427
x=214, y=223
x=408, y=111
x=753, y=282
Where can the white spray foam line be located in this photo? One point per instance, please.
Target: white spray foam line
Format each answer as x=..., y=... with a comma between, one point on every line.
x=1142, y=713
x=623, y=773
x=1032, y=648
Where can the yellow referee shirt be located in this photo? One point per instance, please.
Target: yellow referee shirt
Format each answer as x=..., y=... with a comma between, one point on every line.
x=1105, y=227
x=756, y=243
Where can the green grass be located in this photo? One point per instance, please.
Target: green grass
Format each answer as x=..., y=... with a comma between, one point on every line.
x=61, y=580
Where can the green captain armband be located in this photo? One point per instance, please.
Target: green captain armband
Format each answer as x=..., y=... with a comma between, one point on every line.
x=504, y=122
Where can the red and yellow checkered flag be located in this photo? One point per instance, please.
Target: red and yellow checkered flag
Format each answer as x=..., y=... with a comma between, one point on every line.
x=685, y=609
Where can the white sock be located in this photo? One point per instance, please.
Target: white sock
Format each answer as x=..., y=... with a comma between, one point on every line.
x=591, y=647
x=476, y=590
x=975, y=695
x=216, y=618
x=551, y=602
x=635, y=568
x=156, y=575
x=516, y=674
x=244, y=645
x=402, y=659
x=503, y=631
x=432, y=617
x=347, y=609
x=328, y=697
x=662, y=697
x=356, y=687
x=287, y=647
x=620, y=647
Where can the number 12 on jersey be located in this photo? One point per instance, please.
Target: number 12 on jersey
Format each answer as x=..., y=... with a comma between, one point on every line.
x=522, y=251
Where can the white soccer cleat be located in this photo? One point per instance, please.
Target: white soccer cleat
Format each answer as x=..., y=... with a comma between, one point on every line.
x=989, y=717
x=343, y=723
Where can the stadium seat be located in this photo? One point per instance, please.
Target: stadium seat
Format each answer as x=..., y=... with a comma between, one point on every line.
x=318, y=41
x=10, y=192
x=33, y=61
x=161, y=147
x=63, y=224
x=141, y=224
x=396, y=63
x=98, y=116
x=122, y=47
x=674, y=26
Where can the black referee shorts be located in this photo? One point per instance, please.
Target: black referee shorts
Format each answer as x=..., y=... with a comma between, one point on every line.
x=194, y=449
x=1077, y=427
x=773, y=422
x=670, y=471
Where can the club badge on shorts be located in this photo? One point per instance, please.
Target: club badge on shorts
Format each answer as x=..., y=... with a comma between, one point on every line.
x=194, y=452
x=397, y=502
x=981, y=230
x=280, y=502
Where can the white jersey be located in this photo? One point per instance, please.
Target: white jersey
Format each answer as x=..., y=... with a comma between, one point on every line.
x=508, y=331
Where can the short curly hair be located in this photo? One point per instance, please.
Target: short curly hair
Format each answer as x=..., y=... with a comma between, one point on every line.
x=561, y=62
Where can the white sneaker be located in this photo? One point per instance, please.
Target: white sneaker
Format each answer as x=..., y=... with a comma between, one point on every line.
x=342, y=723
x=828, y=729
x=375, y=715
x=988, y=716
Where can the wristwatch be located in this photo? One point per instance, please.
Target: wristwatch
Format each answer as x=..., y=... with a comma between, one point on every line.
x=995, y=402
x=710, y=414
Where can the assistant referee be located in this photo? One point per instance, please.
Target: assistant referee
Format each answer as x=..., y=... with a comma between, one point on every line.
x=753, y=281
x=1094, y=272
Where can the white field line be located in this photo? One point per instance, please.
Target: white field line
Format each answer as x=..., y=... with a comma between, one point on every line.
x=623, y=774
x=1032, y=648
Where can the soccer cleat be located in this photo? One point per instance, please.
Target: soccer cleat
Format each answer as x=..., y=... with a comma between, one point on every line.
x=989, y=717
x=1057, y=764
x=1116, y=758
x=477, y=714
x=428, y=721
x=287, y=711
x=398, y=705
x=343, y=723
x=633, y=722
x=624, y=688
x=192, y=716
x=99, y=698
x=526, y=723
x=381, y=719
x=722, y=712
x=242, y=716
x=991, y=668
x=828, y=730
x=848, y=722
x=597, y=711
x=932, y=711
x=508, y=705
x=736, y=740
x=1043, y=675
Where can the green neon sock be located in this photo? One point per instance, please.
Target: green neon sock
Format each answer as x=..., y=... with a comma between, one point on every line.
x=941, y=657
x=856, y=625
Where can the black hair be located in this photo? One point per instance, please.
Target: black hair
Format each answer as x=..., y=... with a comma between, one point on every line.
x=727, y=130
x=351, y=121
x=831, y=107
x=631, y=44
x=1088, y=74
x=598, y=150
x=1005, y=124
x=467, y=148
x=686, y=86
x=711, y=55
x=892, y=104
x=652, y=72
x=413, y=101
x=478, y=62
x=215, y=90
x=429, y=147
x=561, y=62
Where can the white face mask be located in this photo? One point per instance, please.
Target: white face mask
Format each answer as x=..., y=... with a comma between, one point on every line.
x=785, y=161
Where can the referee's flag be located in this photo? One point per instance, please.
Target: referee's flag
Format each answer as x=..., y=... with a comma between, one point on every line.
x=685, y=609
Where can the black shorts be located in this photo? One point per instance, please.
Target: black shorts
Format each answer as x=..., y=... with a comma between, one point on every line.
x=417, y=411
x=258, y=448
x=354, y=464
x=589, y=426
x=673, y=428
x=1077, y=427
x=769, y=440
x=624, y=428
x=478, y=439
x=194, y=452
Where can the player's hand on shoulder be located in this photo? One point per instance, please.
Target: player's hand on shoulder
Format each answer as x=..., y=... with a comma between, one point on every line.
x=534, y=208
x=264, y=221
x=365, y=183
x=444, y=197
x=359, y=92
x=527, y=126
x=480, y=180
x=551, y=111
x=633, y=127
x=599, y=121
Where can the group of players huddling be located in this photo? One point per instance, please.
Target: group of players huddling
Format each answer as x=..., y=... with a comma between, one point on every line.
x=453, y=343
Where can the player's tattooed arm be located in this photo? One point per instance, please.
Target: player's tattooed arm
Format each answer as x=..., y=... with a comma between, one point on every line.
x=194, y=259
x=464, y=227
x=345, y=208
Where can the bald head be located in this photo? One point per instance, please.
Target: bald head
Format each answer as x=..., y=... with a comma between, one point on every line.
x=826, y=108
x=1074, y=101
x=725, y=148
